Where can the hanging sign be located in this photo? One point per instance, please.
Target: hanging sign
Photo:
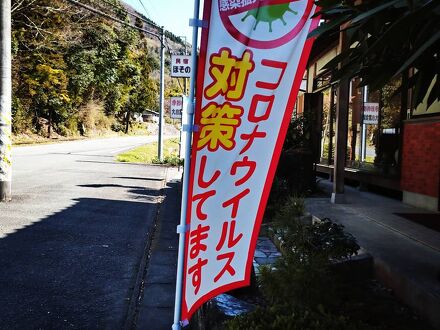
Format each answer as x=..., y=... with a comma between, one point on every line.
x=252, y=61
x=181, y=66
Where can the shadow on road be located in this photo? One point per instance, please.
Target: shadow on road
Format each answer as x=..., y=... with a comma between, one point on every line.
x=80, y=154
x=154, y=196
x=136, y=178
x=114, y=163
x=75, y=268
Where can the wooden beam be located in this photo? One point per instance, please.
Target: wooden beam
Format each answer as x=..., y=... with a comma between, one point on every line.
x=342, y=105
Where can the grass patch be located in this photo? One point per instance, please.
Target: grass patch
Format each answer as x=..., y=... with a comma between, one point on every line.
x=148, y=153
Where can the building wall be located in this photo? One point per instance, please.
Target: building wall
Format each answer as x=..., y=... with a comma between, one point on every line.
x=420, y=179
x=315, y=66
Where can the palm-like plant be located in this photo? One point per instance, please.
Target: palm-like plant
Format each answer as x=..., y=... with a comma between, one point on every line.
x=386, y=38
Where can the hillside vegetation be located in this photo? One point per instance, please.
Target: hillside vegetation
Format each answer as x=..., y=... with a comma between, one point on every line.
x=75, y=72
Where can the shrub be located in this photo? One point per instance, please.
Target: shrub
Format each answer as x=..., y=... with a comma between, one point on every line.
x=168, y=120
x=278, y=194
x=137, y=128
x=118, y=126
x=171, y=160
x=92, y=119
x=283, y=316
x=301, y=289
x=21, y=119
x=292, y=208
x=295, y=167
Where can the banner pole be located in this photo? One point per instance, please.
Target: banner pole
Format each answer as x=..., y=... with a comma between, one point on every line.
x=186, y=169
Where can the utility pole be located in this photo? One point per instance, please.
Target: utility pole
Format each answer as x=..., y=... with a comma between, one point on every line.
x=5, y=101
x=184, y=79
x=161, y=96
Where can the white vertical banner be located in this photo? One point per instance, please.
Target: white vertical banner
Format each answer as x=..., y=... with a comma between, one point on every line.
x=252, y=61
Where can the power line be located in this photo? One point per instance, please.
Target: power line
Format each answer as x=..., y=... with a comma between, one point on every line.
x=100, y=13
x=146, y=11
x=122, y=9
x=146, y=20
x=162, y=63
x=152, y=5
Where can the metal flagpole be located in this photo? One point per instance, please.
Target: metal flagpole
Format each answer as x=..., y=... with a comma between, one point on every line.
x=181, y=229
x=5, y=101
x=161, y=96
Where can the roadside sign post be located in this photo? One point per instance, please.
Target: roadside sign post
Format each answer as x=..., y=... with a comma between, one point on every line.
x=176, y=107
x=178, y=110
x=181, y=66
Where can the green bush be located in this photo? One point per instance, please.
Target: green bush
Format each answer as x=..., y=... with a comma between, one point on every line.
x=171, y=160
x=326, y=151
x=92, y=119
x=72, y=125
x=63, y=130
x=284, y=316
x=137, y=128
x=278, y=194
x=118, y=126
x=303, y=276
x=21, y=119
x=292, y=208
x=295, y=166
x=301, y=290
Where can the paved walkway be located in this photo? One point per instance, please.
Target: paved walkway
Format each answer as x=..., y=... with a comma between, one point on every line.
x=156, y=307
x=156, y=310
x=406, y=255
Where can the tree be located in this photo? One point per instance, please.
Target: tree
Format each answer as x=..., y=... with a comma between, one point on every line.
x=39, y=70
x=66, y=58
x=387, y=39
x=48, y=88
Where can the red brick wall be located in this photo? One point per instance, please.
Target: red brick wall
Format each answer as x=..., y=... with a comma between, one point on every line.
x=421, y=158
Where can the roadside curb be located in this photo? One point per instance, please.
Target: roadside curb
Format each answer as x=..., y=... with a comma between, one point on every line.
x=136, y=297
x=427, y=304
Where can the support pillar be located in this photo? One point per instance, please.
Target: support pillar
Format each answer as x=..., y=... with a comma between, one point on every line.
x=342, y=104
x=341, y=141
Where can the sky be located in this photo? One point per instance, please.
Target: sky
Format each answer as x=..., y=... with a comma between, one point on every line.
x=174, y=15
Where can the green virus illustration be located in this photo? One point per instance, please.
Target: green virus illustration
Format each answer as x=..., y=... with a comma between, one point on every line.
x=269, y=14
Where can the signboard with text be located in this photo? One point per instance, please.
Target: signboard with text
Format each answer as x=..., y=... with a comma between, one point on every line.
x=371, y=114
x=251, y=67
x=176, y=107
x=181, y=66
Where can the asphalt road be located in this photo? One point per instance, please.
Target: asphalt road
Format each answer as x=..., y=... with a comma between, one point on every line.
x=72, y=239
